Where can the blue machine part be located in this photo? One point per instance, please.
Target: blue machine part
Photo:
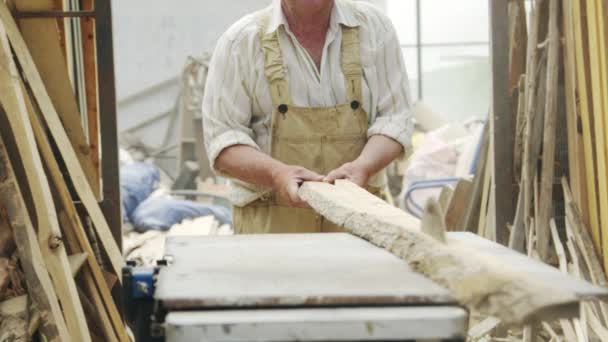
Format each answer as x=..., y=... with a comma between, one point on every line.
x=143, y=283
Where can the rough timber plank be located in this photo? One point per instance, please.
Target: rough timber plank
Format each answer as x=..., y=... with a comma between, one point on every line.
x=586, y=117
x=75, y=234
x=49, y=235
x=67, y=151
x=543, y=233
x=39, y=283
x=42, y=38
x=477, y=280
x=458, y=203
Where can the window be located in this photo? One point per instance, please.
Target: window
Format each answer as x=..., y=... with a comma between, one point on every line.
x=447, y=53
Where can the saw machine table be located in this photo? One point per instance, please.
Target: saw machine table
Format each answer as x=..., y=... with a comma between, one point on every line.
x=307, y=287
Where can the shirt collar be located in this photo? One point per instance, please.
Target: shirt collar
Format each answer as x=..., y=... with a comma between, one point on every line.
x=342, y=13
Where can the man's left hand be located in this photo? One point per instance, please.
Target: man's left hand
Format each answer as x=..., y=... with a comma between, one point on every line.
x=354, y=171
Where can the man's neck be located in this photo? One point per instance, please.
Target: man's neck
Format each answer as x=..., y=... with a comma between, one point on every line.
x=308, y=17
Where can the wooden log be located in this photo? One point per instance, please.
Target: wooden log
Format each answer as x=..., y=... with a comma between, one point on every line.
x=477, y=281
x=39, y=283
x=550, y=129
x=49, y=235
x=66, y=150
x=41, y=36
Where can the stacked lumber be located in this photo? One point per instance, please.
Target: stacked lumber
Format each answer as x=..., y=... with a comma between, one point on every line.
x=559, y=93
x=53, y=283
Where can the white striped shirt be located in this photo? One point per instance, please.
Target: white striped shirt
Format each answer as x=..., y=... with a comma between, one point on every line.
x=237, y=106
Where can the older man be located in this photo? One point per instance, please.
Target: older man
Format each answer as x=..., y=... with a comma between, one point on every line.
x=305, y=90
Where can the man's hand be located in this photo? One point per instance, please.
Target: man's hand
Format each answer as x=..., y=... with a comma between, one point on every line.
x=355, y=172
x=287, y=180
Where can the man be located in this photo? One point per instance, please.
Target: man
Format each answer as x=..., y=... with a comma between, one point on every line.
x=305, y=90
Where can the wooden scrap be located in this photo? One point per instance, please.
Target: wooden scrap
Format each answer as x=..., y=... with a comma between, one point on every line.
x=458, y=203
x=13, y=320
x=445, y=196
x=76, y=261
x=483, y=328
x=41, y=36
x=5, y=277
x=62, y=141
x=49, y=235
x=39, y=283
x=432, y=221
x=550, y=129
x=476, y=281
x=470, y=218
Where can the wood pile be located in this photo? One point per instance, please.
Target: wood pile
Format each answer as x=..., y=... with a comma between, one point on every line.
x=59, y=263
x=559, y=95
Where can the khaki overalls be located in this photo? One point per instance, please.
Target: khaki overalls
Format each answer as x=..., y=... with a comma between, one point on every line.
x=319, y=139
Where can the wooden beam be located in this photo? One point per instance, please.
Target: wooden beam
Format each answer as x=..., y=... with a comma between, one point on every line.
x=550, y=130
x=503, y=121
x=476, y=280
x=67, y=151
x=49, y=235
x=89, y=50
x=39, y=283
x=41, y=36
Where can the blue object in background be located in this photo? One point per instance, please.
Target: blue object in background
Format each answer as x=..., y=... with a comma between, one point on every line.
x=137, y=182
x=160, y=213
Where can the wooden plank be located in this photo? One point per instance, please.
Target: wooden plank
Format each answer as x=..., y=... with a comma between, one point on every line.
x=42, y=39
x=472, y=276
x=49, y=235
x=503, y=120
x=576, y=151
x=89, y=52
x=39, y=283
x=471, y=217
x=68, y=154
x=586, y=117
x=75, y=233
x=518, y=39
x=550, y=127
x=599, y=118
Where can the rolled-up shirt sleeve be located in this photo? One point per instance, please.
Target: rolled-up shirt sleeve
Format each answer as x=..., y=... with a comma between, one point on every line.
x=226, y=104
x=393, y=118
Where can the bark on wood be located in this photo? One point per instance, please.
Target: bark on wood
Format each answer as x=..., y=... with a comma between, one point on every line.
x=49, y=234
x=66, y=150
x=474, y=279
x=42, y=38
x=39, y=284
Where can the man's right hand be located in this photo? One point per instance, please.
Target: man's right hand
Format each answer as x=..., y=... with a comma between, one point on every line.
x=287, y=180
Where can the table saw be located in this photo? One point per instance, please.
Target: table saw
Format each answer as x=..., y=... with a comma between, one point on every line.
x=306, y=287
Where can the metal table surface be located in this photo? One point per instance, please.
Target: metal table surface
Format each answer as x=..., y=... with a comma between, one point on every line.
x=286, y=271
x=319, y=324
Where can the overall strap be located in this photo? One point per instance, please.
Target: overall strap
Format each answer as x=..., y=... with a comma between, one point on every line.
x=351, y=65
x=273, y=66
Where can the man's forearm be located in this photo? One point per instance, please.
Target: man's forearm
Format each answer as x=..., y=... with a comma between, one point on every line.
x=378, y=153
x=248, y=164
